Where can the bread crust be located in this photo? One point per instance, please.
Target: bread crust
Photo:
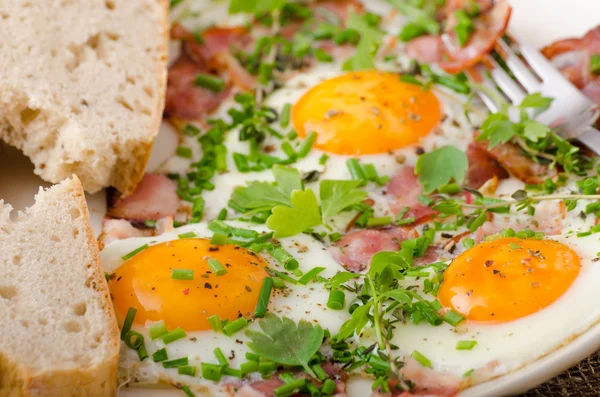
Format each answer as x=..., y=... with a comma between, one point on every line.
x=100, y=380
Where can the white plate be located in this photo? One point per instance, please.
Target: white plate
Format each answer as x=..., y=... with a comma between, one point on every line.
x=538, y=22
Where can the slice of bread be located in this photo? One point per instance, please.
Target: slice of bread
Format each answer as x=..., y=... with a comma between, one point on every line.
x=82, y=86
x=59, y=336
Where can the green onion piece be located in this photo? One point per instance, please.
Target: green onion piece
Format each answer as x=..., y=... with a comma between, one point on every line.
x=263, y=298
x=356, y=170
x=337, y=300
x=465, y=344
x=142, y=352
x=453, y=318
x=286, y=377
x=212, y=371
x=186, y=370
x=160, y=355
x=451, y=188
x=238, y=373
x=595, y=64
x=241, y=162
x=320, y=372
x=252, y=356
x=249, y=367
x=381, y=221
x=584, y=234
x=222, y=214
x=174, y=335
x=187, y=235
x=278, y=283
x=215, y=323
x=328, y=387
x=290, y=388
x=244, y=233
x=283, y=276
x=323, y=159
x=235, y=326
x=157, y=330
x=288, y=149
x=198, y=207
x=176, y=363
x=334, y=237
x=150, y=223
x=128, y=322
x=266, y=367
x=310, y=275
x=468, y=373
x=307, y=145
x=134, y=252
x=468, y=242
x=133, y=339
x=187, y=391
x=219, y=239
x=217, y=267
x=220, y=357
x=265, y=72
x=210, y=82
x=284, y=258
x=182, y=274
x=284, y=119
x=407, y=78
x=184, y=152
x=322, y=56
x=421, y=359
x=190, y=130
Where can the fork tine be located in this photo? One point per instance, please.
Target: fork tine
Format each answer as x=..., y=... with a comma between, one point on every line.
x=518, y=68
x=511, y=89
x=542, y=66
x=476, y=76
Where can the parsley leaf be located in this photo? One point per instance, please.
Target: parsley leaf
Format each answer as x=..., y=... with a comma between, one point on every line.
x=264, y=195
x=464, y=27
x=303, y=214
x=420, y=20
x=359, y=319
x=341, y=278
x=338, y=195
x=286, y=343
x=497, y=129
x=536, y=101
x=370, y=40
x=288, y=179
x=440, y=167
x=255, y=6
x=534, y=131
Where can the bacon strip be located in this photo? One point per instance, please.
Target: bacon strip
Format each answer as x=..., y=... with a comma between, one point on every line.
x=154, y=198
x=426, y=49
x=489, y=26
x=119, y=229
x=482, y=167
x=404, y=190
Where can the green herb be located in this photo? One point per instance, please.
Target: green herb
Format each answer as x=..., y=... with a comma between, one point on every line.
x=421, y=21
x=134, y=252
x=210, y=82
x=129, y=317
x=182, y=274
x=186, y=370
x=465, y=344
x=464, y=27
x=263, y=298
x=595, y=64
x=370, y=40
x=160, y=355
x=440, y=167
x=302, y=214
x=216, y=266
x=286, y=342
x=235, y=326
x=310, y=275
x=187, y=235
x=176, y=363
x=157, y=330
x=336, y=300
x=421, y=359
x=338, y=195
x=212, y=372
x=184, y=152
x=174, y=335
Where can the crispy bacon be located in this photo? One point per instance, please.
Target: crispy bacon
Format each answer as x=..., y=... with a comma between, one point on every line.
x=119, y=229
x=489, y=26
x=426, y=49
x=184, y=99
x=513, y=160
x=155, y=197
x=356, y=249
x=404, y=191
x=482, y=167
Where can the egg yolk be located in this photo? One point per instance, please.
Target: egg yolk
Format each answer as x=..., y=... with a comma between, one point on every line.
x=508, y=278
x=145, y=283
x=366, y=113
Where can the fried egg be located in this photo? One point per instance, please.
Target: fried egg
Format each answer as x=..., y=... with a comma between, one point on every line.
x=144, y=282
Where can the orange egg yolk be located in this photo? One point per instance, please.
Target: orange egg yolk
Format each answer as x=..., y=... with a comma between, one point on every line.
x=508, y=278
x=366, y=113
x=144, y=282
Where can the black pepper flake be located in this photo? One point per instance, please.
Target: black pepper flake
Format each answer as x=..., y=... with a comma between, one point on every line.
x=247, y=288
x=489, y=263
x=469, y=293
x=207, y=286
x=420, y=151
x=213, y=249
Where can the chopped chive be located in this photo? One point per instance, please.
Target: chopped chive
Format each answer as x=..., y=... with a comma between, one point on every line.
x=184, y=152
x=238, y=373
x=150, y=223
x=323, y=159
x=235, y=326
x=417, y=273
x=595, y=64
x=408, y=78
x=584, y=234
x=421, y=359
x=157, y=330
x=328, y=387
x=307, y=145
x=465, y=344
x=198, y=207
x=320, y=372
x=468, y=242
x=210, y=82
x=284, y=120
x=241, y=162
x=182, y=274
x=187, y=235
x=334, y=237
x=468, y=373
x=356, y=170
x=310, y=275
x=129, y=317
x=212, y=371
x=186, y=370
x=176, y=363
x=244, y=233
x=133, y=339
x=142, y=352
x=220, y=357
x=265, y=72
x=134, y=252
x=278, y=283
x=453, y=318
x=288, y=149
x=290, y=388
x=266, y=367
x=263, y=298
x=381, y=221
x=249, y=367
x=187, y=391
x=252, y=356
x=174, y=335
x=160, y=355
x=215, y=323
x=337, y=300
x=286, y=377
x=283, y=276
x=222, y=214
x=217, y=267
x=219, y=239
x=284, y=258
x=190, y=130
x=322, y=56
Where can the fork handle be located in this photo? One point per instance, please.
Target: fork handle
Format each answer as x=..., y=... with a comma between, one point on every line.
x=591, y=139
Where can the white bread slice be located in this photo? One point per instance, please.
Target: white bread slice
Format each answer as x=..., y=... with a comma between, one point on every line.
x=82, y=86
x=58, y=335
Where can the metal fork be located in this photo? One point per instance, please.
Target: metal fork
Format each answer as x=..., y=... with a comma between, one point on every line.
x=572, y=114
